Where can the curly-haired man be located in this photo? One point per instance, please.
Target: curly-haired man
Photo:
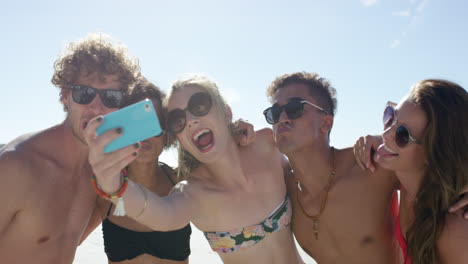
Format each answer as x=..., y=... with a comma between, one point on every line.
x=47, y=205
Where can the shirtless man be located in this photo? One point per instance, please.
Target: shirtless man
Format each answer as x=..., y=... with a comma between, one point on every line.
x=341, y=214
x=48, y=204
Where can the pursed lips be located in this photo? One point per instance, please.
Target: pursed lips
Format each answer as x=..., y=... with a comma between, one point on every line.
x=283, y=128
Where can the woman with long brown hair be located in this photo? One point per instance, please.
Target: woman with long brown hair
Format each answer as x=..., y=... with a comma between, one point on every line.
x=425, y=142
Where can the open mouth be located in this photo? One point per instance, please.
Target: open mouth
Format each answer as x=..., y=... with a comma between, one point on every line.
x=203, y=140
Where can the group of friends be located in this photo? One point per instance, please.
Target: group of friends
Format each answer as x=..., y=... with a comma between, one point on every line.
x=232, y=183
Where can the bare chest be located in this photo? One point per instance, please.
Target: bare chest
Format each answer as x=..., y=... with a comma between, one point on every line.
x=230, y=211
x=354, y=223
x=59, y=208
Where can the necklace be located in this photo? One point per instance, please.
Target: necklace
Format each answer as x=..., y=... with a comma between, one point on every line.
x=316, y=218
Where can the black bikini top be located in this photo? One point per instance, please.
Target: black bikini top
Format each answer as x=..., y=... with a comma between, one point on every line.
x=122, y=244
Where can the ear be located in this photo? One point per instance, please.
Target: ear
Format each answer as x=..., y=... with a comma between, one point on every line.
x=228, y=113
x=65, y=98
x=327, y=124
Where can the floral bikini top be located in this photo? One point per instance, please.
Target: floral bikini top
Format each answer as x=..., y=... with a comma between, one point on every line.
x=231, y=241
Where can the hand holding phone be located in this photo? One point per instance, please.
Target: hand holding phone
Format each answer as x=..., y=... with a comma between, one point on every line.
x=138, y=121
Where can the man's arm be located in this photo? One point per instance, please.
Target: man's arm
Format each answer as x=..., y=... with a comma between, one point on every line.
x=15, y=181
x=95, y=219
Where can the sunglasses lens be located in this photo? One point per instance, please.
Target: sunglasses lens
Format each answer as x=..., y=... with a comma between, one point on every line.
x=268, y=113
x=83, y=95
x=294, y=109
x=176, y=120
x=388, y=117
x=112, y=98
x=199, y=104
x=401, y=136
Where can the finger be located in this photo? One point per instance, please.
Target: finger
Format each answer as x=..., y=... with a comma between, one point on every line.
x=459, y=204
x=107, y=137
x=90, y=129
x=96, y=147
x=357, y=149
x=118, y=166
x=112, y=160
x=465, y=214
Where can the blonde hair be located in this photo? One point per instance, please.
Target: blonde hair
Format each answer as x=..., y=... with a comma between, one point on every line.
x=187, y=162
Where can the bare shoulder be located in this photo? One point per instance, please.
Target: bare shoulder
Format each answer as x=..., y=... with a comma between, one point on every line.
x=265, y=135
x=17, y=181
x=453, y=240
x=265, y=143
x=15, y=163
x=347, y=160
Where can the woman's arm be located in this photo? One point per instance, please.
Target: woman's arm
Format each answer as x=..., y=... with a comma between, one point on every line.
x=159, y=213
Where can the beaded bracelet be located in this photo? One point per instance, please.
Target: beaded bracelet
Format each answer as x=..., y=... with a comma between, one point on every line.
x=119, y=207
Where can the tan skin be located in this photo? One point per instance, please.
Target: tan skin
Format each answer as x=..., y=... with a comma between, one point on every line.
x=232, y=188
x=409, y=165
x=356, y=224
x=145, y=172
x=48, y=205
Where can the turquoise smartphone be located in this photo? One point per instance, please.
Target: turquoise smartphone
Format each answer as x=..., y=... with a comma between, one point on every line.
x=138, y=121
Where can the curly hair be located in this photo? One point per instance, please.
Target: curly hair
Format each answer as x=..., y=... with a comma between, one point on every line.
x=445, y=141
x=319, y=87
x=95, y=54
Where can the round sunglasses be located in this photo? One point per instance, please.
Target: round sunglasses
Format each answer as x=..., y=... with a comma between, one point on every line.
x=402, y=134
x=293, y=109
x=199, y=104
x=111, y=98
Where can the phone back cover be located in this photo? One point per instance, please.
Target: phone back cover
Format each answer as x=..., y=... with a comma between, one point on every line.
x=138, y=121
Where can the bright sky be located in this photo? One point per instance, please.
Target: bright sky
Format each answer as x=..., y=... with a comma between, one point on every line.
x=372, y=51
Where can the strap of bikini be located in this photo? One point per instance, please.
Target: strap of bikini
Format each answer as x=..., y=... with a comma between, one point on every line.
x=108, y=210
x=168, y=171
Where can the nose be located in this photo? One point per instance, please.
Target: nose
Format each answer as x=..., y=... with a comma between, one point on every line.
x=388, y=134
x=98, y=107
x=191, y=119
x=283, y=118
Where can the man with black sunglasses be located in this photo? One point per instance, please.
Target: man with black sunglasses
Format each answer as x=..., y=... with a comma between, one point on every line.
x=48, y=205
x=341, y=214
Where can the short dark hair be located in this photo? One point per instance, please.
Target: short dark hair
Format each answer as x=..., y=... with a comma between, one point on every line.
x=319, y=87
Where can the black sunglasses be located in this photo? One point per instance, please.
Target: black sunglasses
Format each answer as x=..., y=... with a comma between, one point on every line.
x=294, y=109
x=111, y=98
x=402, y=133
x=199, y=104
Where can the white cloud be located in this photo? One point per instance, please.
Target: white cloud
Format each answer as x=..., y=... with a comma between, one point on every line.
x=395, y=43
x=368, y=2
x=402, y=13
